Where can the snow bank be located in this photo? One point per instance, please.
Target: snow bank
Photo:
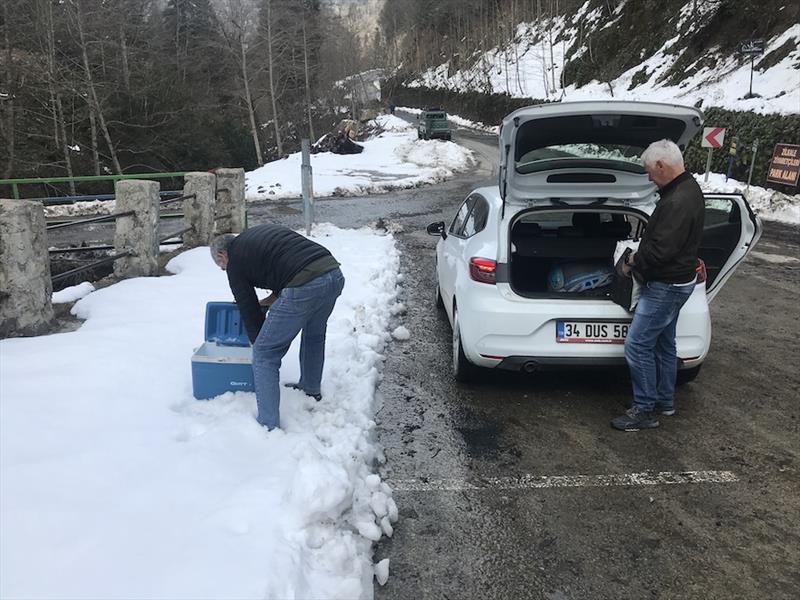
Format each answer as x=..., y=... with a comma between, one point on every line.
x=70, y=294
x=116, y=483
x=536, y=73
x=393, y=160
x=767, y=204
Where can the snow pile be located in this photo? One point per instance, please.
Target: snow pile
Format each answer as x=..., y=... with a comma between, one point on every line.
x=401, y=334
x=393, y=160
x=116, y=483
x=73, y=293
x=767, y=204
x=93, y=207
x=530, y=68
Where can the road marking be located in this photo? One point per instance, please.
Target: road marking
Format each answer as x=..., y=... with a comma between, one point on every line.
x=530, y=482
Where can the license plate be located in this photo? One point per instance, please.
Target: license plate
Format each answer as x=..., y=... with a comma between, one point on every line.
x=591, y=332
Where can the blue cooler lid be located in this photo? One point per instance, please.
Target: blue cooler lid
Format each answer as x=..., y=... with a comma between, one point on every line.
x=224, y=324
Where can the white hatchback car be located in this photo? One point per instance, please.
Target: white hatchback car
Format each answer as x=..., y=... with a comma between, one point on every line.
x=524, y=269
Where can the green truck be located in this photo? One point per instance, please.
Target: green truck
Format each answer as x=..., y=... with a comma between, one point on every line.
x=432, y=123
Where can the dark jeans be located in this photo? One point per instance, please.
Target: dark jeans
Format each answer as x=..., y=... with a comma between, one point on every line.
x=304, y=308
x=650, y=344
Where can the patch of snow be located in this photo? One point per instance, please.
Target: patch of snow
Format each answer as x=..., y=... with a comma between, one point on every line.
x=382, y=571
x=73, y=293
x=768, y=204
x=401, y=333
x=526, y=69
x=125, y=486
x=393, y=160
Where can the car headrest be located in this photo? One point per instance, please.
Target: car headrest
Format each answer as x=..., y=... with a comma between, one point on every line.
x=528, y=229
x=587, y=220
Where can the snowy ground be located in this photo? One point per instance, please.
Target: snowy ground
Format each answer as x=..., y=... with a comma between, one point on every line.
x=767, y=204
x=116, y=483
x=394, y=160
x=528, y=69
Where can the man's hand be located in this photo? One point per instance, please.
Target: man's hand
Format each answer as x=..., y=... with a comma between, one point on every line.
x=269, y=300
x=630, y=260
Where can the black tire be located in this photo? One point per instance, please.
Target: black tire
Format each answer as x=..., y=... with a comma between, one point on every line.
x=439, y=302
x=463, y=370
x=688, y=375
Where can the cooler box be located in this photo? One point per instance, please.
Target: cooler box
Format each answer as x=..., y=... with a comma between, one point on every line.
x=224, y=362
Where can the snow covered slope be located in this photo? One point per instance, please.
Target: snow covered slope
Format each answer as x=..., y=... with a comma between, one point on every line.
x=634, y=53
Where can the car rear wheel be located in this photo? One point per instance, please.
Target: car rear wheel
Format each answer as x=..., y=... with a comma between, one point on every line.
x=463, y=370
x=687, y=375
x=438, y=299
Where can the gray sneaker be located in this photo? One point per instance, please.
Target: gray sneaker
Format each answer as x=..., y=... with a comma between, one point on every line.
x=666, y=410
x=635, y=419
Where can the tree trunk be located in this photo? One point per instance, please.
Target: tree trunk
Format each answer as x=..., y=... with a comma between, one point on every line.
x=8, y=104
x=95, y=153
x=126, y=72
x=249, y=100
x=93, y=100
x=65, y=143
x=271, y=69
x=308, y=85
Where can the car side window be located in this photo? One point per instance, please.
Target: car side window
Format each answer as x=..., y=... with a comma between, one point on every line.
x=476, y=221
x=457, y=227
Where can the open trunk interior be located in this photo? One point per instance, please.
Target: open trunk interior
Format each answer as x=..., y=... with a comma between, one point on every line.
x=568, y=252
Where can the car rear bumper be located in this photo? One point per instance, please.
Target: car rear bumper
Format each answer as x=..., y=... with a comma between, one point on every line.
x=499, y=330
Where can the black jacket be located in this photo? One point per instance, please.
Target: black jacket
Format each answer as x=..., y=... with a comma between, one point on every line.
x=669, y=246
x=268, y=257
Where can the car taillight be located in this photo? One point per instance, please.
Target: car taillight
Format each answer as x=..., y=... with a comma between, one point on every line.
x=701, y=271
x=483, y=270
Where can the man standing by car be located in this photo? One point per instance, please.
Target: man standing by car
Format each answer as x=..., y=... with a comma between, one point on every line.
x=305, y=282
x=666, y=265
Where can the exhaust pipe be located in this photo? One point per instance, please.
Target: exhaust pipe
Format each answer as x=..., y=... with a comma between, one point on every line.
x=530, y=366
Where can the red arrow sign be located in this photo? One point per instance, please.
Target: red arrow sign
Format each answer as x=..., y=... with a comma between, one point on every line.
x=713, y=137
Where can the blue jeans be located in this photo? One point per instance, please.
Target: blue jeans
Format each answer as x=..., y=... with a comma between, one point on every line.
x=650, y=344
x=304, y=308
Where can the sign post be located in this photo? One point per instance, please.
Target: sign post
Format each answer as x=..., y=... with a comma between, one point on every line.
x=785, y=165
x=712, y=138
x=752, y=164
x=306, y=175
x=751, y=48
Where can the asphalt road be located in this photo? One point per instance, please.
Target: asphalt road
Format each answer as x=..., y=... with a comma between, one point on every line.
x=487, y=476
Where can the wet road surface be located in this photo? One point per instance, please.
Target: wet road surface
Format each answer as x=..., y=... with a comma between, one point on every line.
x=472, y=526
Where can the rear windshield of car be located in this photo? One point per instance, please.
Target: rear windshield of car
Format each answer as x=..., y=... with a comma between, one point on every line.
x=615, y=140
x=554, y=156
x=434, y=116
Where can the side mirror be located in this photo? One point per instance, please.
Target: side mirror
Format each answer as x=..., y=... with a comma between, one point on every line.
x=437, y=229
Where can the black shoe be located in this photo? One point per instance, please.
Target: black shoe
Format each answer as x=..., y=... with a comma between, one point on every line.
x=665, y=409
x=296, y=386
x=635, y=419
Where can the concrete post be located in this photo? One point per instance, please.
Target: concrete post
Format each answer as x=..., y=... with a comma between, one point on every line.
x=138, y=232
x=230, y=201
x=199, y=211
x=25, y=287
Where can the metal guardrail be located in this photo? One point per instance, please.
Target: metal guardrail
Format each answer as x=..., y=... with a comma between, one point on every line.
x=110, y=217
x=64, y=200
x=15, y=183
x=178, y=233
x=103, y=261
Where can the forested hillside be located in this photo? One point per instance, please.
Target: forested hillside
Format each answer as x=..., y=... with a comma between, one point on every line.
x=108, y=86
x=93, y=87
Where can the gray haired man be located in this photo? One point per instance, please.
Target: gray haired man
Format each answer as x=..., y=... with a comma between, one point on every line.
x=305, y=281
x=666, y=263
